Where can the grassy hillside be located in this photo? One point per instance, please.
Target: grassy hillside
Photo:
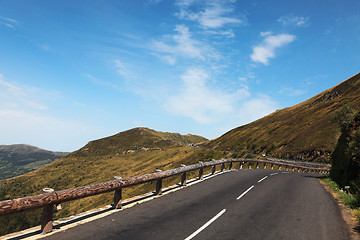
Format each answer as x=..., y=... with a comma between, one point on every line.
x=100, y=161
x=134, y=140
x=19, y=159
x=304, y=131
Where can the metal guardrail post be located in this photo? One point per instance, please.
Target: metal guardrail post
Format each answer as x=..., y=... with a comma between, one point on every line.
x=230, y=165
x=257, y=165
x=249, y=165
x=47, y=214
x=117, y=195
x=222, y=167
x=240, y=165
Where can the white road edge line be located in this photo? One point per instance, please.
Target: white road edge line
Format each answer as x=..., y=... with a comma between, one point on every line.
x=205, y=225
x=245, y=192
x=263, y=179
x=274, y=174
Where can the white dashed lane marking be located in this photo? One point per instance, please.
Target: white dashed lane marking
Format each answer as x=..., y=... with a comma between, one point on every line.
x=245, y=192
x=263, y=179
x=205, y=225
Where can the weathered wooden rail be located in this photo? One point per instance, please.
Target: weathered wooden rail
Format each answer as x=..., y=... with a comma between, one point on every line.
x=50, y=198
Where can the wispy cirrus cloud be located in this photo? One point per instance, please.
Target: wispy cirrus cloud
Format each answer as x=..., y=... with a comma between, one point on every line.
x=292, y=92
x=263, y=52
x=123, y=70
x=101, y=82
x=19, y=96
x=183, y=45
x=293, y=20
x=209, y=14
x=9, y=22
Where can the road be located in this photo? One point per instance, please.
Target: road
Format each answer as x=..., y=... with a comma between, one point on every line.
x=242, y=204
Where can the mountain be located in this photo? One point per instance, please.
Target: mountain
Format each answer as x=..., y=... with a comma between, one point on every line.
x=19, y=159
x=305, y=131
x=130, y=153
x=137, y=139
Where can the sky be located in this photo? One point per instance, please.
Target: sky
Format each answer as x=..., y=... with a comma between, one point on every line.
x=76, y=71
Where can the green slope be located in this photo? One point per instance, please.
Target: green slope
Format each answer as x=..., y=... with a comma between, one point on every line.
x=19, y=159
x=301, y=132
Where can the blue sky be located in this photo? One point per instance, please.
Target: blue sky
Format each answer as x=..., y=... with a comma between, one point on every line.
x=75, y=71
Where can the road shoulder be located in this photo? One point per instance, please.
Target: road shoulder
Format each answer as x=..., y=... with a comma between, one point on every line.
x=348, y=216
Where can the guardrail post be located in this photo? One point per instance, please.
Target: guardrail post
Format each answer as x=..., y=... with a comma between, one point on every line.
x=213, y=169
x=201, y=172
x=264, y=165
x=183, y=177
x=230, y=166
x=47, y=214
x=272, y=166
x=117, y=195
x=279, y=167
x=240, y=165
x=222, y=167
x=249, y=165
x=158, y=190
x=257, y=165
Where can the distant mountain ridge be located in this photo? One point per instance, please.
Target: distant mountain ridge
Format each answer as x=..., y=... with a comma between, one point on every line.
x=18, y=159
x=301, y=132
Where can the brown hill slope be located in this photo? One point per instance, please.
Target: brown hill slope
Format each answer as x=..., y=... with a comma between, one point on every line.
x=100, y=161
x=136, y=139
x=304, y=131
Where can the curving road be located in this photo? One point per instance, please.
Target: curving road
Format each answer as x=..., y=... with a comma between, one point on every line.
x=242, y=204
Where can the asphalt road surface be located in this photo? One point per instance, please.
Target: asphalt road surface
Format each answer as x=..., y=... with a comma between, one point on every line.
x=242, y=204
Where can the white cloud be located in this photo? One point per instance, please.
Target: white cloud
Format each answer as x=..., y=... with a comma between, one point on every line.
x=24, y=119
x=21, y=96
x=185, y=46
x=9, y=22
x=209, y=14
x=292, y=92
x=266, y=50
x=293, y=20
x=101, y=82
x=200, y=102
x=256, y=108
x=25, y=127
x=123, y=70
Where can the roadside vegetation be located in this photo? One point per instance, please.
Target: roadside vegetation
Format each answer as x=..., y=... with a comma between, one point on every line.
x=345, y=170
x=345, y=197
x=344, y=178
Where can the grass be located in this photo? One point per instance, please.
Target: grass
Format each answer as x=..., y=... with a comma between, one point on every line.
x=73, y=171
x=351, y=201
x=305, y=131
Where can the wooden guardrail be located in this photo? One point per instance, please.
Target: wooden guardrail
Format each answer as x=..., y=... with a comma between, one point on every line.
x=50, y=198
